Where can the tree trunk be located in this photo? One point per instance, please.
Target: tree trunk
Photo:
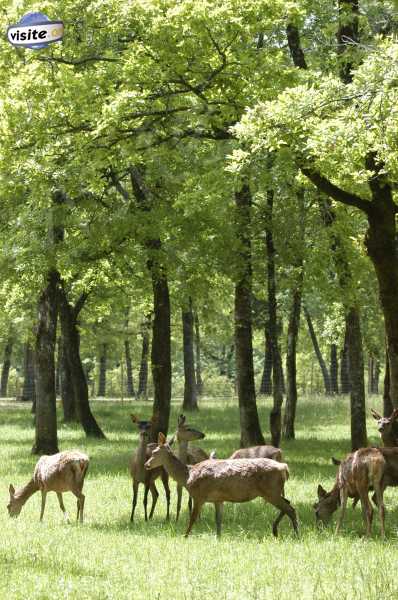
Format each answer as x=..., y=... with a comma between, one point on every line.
x=376, y=376
x=143, y=374
x=345, y=384
x=291, y=370
x=161, y=351
x=251, y=433
x=277, y=375
x=28, y=390
x=266, y=379
x=190, y=398
x=199, y=381
x=334, y=369
x=322, y=364
x=102, y=371
x=358, y=412
x=71, y=347
x=387, y=404
x=46, y=441
x=129, y=370
x=6, y=368
x=66, y=388
x=58, y=369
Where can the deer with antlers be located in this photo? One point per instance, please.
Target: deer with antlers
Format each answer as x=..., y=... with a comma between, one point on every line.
x=140, y=475
x=61, y=472
x=387, y=427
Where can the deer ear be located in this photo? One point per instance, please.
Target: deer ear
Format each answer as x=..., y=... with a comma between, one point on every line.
x=181, y=420
x=161, y=439
x=11, y=489
x=336, y=461
x=134, y=418
x=321, y=492
x=375, y=414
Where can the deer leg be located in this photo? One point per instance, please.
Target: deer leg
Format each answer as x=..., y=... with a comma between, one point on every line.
x=343, y=500
x=62, y=506
x=179, y=497
x=367, y=512
x=80, y=504
x=219, y=510
x=135, y=496
x=380, y=506
x=194, y=515
x=285, y=509
x=146, y=500
x=165, y=481
x=190, y=502
x=43, y=504
x=82, y=500
x=155, y=496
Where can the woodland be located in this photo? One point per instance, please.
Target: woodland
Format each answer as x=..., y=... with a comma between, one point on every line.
x=198, y=214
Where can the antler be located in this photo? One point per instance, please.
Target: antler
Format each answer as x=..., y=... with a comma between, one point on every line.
x=375, y=414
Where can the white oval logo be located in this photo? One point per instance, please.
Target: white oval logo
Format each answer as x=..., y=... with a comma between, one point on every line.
x=35, y=31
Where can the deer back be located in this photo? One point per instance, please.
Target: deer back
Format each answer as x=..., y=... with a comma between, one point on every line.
x=258, y=452
x=61, y=472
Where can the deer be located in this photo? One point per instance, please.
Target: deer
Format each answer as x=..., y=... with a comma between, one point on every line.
x=140, y=475
x=219, y=481
x=359, y=472
x=387, y=427
x=189, y=456
x=61, y=472
x=258, y=452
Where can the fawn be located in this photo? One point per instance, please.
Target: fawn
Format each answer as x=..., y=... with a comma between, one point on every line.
x=258, y=452
x=140, y=475
x=359, y=472
x=387, y=427
x=62, y=472
x=189, y=456
x=219, y=481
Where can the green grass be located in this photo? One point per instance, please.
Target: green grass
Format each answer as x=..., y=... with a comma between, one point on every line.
x=109, y=558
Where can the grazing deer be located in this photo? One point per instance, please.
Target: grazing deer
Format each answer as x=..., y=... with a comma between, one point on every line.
x=140, y=475
x=219, y=481
x=189, y=456
x=62, y=472
x=359, y=472
x=259, y=452
x=387, y=427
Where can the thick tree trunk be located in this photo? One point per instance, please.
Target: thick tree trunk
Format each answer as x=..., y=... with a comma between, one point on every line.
x=358, y=412
x=345, y=383
x=277, y=375
x=199, y=380
x=129, y=370
x=387, y=404
x=102, y=371
x=291, y=370
x=71, y=347
x=334, y=370
x=143, y=374
x=58, y=369
x=28, y=390
x=190, y=398
x=322, y=364
x=266, y=379
x=250, y=429
x=66, y=387
x=376, y=376
x=161, y=351
x=5, y=371
x=46, y=440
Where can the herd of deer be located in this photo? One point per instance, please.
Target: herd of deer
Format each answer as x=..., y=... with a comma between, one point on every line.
x=247, y=474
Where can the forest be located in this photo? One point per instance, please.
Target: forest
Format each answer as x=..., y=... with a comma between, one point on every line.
x=198, y=241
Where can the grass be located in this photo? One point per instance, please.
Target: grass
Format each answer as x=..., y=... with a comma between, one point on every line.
x=107, y=558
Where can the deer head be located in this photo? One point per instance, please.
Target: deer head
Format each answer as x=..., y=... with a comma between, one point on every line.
x=325, y=507
x=159, y=454
x=144, y=427
x=15, y=504
x=185, y=433
x=385, y=426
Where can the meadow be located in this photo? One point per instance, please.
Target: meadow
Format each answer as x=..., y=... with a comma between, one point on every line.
x=109, y=558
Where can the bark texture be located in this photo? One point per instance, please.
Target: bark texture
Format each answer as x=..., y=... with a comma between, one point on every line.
x=28, y=390
x=199, y=380
x=291, y=368
x=5, y=371
x=129, y=370
x=358, y=414
x=190, y=396
x=266, y=379
x=66, y=387
x=318, y=353
x=102, y=371
x=143, y=374
x=334, y=370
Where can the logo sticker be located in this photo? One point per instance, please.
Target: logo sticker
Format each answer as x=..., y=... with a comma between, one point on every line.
x=35, y=31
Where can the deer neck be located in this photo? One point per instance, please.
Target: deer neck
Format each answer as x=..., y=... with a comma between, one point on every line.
x=183, y=452
x=23, y=493
x=141, y=458
x=389, y=440
x=176, y=469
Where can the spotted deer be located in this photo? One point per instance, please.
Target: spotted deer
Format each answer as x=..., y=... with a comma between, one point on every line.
x=258, y=452
x=219, y=481
x=140, y=475
x=359, y=472
x=387, y=427
x=62, y=472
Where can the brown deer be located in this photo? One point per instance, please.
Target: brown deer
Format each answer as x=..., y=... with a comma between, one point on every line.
x=219, y=481
x=258, y=452
x=140, y=475
x=359, y=472
x=188, y=455
x=387, y=427
x=62, y=472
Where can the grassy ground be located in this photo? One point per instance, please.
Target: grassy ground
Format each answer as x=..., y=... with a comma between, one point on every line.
x=109, y=558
